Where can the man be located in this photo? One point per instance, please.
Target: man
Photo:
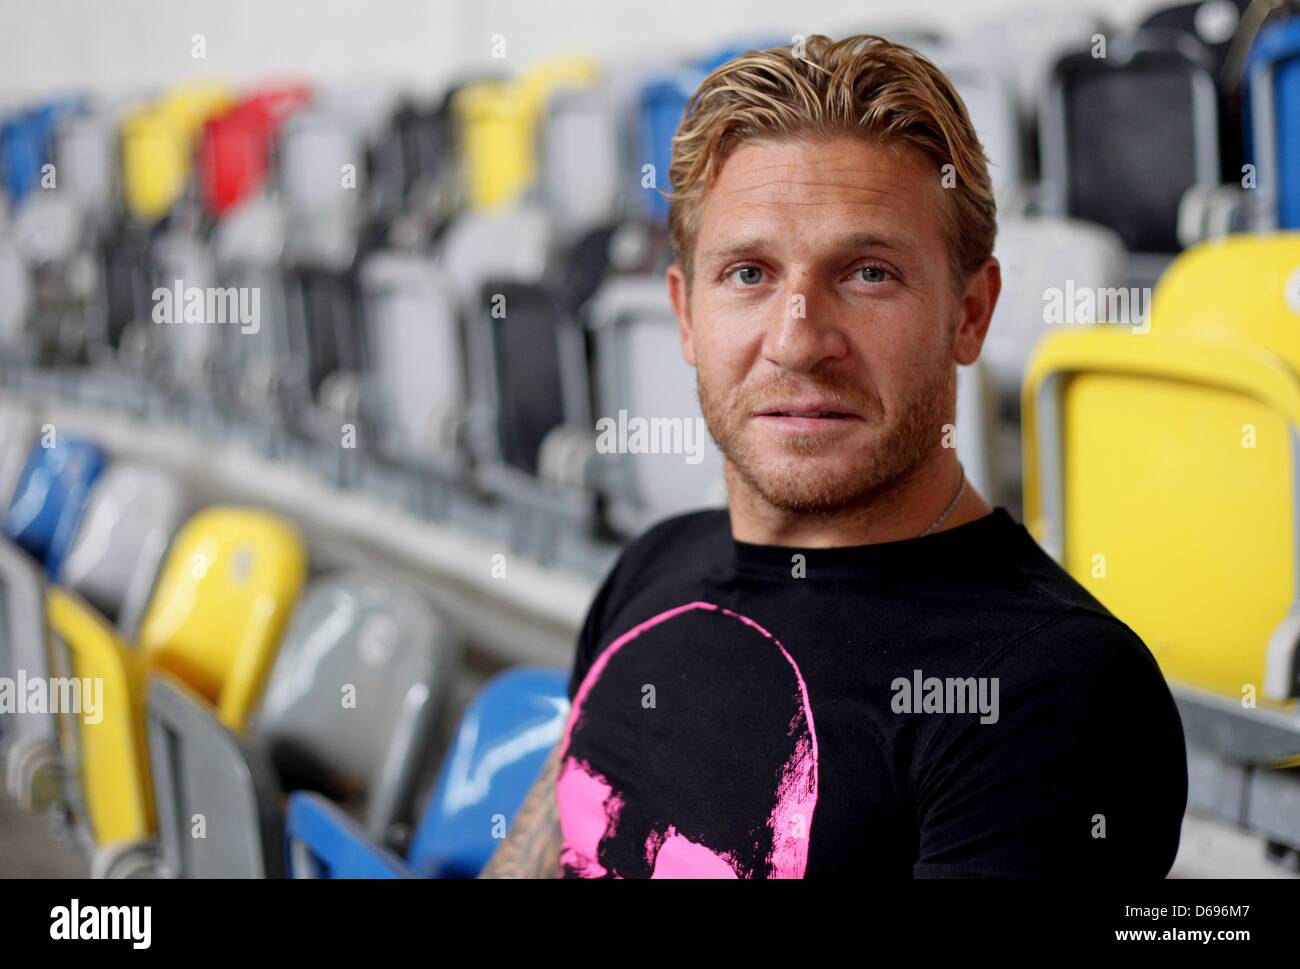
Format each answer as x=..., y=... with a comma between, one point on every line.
x=858, y=668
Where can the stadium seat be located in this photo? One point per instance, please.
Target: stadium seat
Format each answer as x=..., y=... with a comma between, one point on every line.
x=17, y=431
x=1273, y=73
x=1039, y=256
x=217, y=799
x=29, y=739
x=350, y=709
x=499, y=748
x=15, y=299
x=105, y=750
x=1160, y=468
x=640, y=371
x=353, y=701
x=227, y=587
x=497, y=128
x=418, y=384
x=991, y=104
x=1125, y=136
x=51, y=496
x=133, y=513
x=235, y=147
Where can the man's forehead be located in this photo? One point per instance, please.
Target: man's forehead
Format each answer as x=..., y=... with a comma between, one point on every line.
x=828, y=187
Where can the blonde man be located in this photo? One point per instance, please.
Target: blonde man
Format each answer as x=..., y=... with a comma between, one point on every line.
x=859, y=667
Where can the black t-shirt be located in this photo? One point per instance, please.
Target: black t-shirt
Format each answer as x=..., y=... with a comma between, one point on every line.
x=952, y=705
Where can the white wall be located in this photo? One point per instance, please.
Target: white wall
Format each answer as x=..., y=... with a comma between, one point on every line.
x=122, y=46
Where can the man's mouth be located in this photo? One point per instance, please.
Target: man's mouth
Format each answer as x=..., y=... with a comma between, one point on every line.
x=810, y=416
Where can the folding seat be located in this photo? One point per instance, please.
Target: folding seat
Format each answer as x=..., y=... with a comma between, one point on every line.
x=1273, y=113
x=413, y=163
x=21, y=156
x=495, y=756
x=418, y=380
x=1160, y=469
x=17, y=431
x=1125, y=136
x=587, y=177
x=132, y=515
x=15, y=299
x=235, y=147
x=350, y=709
x=227, y=587
x=641, y=373
x=29, y=738
x=1039, y=257
x=660, y=108
x=498, y=123
x=990, y=102
x=1023, y=47
x=108, y=794
x=214, y=621
x=51, y=496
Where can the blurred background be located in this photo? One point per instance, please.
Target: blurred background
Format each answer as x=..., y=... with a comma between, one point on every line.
x=311, y=313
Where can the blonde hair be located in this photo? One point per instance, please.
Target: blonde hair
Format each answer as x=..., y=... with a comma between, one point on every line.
x=860, y=85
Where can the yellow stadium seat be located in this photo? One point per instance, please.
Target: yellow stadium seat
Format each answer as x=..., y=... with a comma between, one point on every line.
x=498, y=121
x=231, y=578
x=1163, y=468
x=157, y=148
x=108, y=746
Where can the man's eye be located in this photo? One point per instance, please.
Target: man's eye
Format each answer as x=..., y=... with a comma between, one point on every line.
x=747, y=275
x=874, y=274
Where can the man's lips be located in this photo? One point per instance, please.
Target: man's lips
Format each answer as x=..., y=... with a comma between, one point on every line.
x=805, y=416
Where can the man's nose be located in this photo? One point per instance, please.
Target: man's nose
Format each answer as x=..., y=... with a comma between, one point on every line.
x=805, y=326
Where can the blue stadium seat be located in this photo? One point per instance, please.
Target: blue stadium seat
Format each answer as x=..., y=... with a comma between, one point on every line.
x=499, y=748
x=48, y=504
x=1273, y=90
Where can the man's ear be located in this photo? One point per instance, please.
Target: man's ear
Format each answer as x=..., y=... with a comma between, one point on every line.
x=677, y=292
x=982, y=289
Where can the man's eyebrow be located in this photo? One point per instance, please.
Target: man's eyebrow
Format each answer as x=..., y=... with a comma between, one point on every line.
x=855, y=240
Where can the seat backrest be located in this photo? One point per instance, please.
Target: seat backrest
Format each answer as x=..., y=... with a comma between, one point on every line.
x=641, y=378
x=48, y=504
x=661, y=104
x=585, y=156
x=417, y=354
x=317, y=145
x=352, y=701
x=1196, y=544
x=1255, y=300
x=227, y=587
x=235, y=148
x=497, y=125
x=1273, y=112
x=157, y=147
x=15, y=298
x=1043, y=257
x=216, y=799
x=513, y=243
x=990, y=102
x=494, y=759
x=23, y=646
x=104, y=743
x=1152, y=103
x=538, y=369
x=129, y=522
x=17, y=431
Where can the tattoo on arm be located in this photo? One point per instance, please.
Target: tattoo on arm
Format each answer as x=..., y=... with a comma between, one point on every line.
x=531, y=849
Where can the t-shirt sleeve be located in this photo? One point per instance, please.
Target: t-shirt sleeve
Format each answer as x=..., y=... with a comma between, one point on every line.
x=1084, y=772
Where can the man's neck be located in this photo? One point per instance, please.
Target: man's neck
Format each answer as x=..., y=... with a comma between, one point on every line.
x=902, y=510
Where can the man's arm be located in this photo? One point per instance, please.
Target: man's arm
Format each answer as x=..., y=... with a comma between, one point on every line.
x=532, y=845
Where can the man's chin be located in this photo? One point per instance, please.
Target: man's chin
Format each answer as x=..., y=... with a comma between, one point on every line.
x=808, y=486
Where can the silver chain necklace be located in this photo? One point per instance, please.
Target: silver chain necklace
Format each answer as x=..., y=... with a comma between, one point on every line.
x=961, y=488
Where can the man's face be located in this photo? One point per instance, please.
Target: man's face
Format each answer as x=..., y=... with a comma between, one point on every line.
x=823, y=320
